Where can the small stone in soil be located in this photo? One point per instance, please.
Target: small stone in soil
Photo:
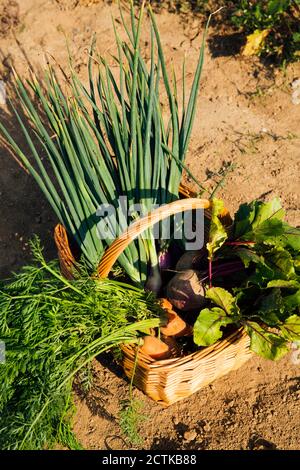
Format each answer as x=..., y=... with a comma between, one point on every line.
x=189, y=436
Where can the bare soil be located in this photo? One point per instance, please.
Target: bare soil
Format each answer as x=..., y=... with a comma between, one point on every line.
x=245, y=120
x=9, y=16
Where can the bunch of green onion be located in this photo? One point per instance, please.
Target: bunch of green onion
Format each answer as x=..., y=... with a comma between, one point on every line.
x=107, y=140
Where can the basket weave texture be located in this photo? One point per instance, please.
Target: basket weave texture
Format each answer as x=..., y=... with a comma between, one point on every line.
x=169, y=380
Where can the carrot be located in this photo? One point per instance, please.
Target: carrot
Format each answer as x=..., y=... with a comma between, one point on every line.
x=166, y=304
x=175, y=326
x=155, y=348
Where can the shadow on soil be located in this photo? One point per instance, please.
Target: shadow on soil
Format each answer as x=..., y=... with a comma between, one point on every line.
x=226, y=46
x=24, y=210
x=256, y=442
x=96, y=400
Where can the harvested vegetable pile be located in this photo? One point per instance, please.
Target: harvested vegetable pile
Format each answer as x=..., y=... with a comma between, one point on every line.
x=52, y=328
x=104, y=142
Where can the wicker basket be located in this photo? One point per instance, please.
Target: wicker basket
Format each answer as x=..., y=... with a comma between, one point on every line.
x=169, y=380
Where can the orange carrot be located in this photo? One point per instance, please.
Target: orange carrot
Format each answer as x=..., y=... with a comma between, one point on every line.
x=166, y=304
x=175, y=326
x=155, y=348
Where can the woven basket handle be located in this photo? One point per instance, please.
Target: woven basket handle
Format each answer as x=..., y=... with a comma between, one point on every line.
x=139, y=226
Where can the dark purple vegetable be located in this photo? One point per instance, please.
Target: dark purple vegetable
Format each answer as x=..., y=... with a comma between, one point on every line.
x=190, y=260
x=165, y=260
x=186, y=291
x=154, y=281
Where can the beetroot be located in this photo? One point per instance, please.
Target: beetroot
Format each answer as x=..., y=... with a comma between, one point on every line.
x=189, y=260
x=186, y=291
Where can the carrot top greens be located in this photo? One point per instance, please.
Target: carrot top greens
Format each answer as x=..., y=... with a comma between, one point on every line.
x=52, y=328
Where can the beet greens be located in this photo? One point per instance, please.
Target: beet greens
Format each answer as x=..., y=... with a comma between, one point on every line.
x=267, y=300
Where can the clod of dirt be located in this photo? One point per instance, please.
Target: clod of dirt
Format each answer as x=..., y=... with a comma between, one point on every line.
x=190, y=436
x=9, y=16
x=207, y=427
x=258, y=443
